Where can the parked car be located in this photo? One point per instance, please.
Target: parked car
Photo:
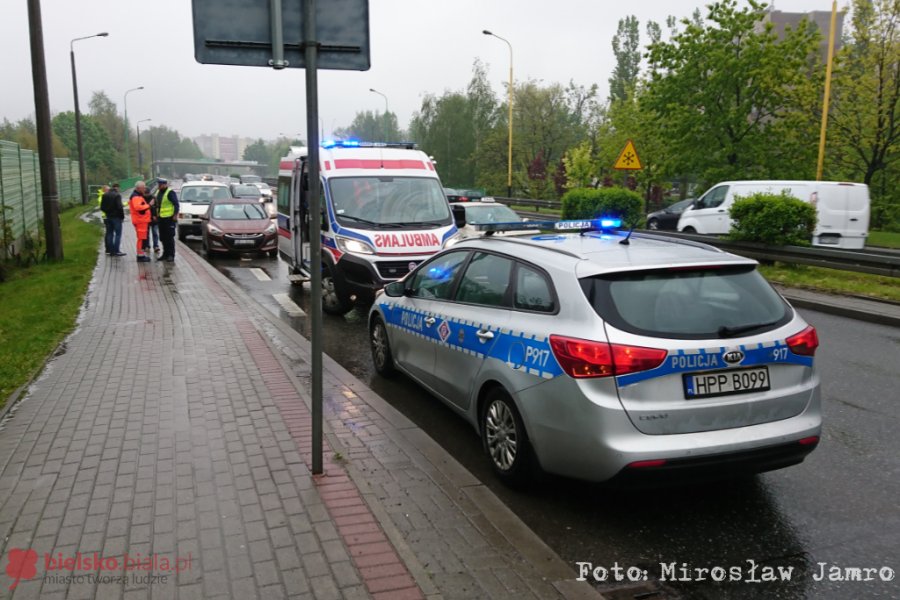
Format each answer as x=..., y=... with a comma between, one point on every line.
x=238, y=226
x=479, y=213
x=595, y=359
x=245, y=190
x=194, y=199
x=457, y=195
x=667, y=218
x=250, y=179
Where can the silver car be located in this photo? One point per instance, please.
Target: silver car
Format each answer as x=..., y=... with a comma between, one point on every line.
x=600, y=359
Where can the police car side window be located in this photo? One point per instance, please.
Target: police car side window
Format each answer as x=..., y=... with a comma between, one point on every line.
x=533, y=290
x=435, y=280
x=486, y=280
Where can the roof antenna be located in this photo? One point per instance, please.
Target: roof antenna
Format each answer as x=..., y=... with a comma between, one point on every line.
x=625, y=241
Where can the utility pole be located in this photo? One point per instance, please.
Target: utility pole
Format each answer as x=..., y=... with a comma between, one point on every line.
x=81, y=172
x=44, y=133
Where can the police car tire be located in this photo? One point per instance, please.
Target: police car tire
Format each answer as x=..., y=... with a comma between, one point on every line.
x=384, y=365
x=340, y=304
x=520, y=471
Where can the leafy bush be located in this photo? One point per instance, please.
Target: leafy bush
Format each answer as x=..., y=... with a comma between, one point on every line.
x=773, y=219
x=588, y=203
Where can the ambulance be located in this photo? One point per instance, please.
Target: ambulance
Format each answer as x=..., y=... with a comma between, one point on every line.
x=383, y=212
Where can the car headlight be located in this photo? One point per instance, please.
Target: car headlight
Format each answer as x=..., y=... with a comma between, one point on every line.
x=271, y=228
x=354, y=246
x=213, y=230
x=451, y=241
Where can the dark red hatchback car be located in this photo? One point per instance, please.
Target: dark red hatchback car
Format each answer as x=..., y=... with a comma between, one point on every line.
x=238, y=226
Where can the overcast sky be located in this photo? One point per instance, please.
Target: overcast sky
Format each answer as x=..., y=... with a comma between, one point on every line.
x=418, y=47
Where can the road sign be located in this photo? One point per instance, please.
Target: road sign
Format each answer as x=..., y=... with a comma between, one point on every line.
x=628, y=159
x=241, y=32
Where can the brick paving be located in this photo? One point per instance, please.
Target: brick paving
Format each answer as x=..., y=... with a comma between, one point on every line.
x=173, y=427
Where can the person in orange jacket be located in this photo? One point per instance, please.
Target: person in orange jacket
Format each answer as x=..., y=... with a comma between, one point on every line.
x=140, y=218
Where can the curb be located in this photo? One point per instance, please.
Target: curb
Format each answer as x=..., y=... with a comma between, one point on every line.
x=446, y=473
x=871, y=311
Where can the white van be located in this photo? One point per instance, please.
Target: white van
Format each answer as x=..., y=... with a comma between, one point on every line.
x=384, y=212
x=843, y=209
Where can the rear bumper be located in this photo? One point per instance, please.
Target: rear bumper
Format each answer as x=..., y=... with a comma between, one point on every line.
x=594, y=439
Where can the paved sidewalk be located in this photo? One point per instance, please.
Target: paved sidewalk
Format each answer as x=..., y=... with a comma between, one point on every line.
x=169, y=440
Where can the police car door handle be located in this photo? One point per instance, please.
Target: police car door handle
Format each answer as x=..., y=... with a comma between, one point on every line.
x=485, y=335
x=430, y=321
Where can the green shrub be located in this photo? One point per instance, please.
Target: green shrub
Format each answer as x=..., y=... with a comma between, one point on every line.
x=773, y=219
x=588, y=203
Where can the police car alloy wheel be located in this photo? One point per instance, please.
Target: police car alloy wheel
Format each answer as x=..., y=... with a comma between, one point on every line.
x=504, y=438
x=381, y=348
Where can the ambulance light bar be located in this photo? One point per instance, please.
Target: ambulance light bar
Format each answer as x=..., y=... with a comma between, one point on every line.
x=359, y=144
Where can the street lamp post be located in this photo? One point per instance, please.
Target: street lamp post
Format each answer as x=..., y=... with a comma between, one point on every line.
x=127, y=151
x=140, y=153
x=386, y=128
x=510, y=119
x=81, y=173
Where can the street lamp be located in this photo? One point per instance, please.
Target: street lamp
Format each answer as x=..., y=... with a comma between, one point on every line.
x=386, y=130
x=140, y=153
x=81, y=173
x=127, y=152
x=509, y=152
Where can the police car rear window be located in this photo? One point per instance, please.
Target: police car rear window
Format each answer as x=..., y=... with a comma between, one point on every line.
x=692, y=303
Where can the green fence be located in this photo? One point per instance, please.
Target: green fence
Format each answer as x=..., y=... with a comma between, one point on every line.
x=21, y=204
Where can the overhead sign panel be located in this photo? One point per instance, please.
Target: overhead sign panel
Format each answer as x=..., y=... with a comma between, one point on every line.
x=240, y=32
x=628, y=159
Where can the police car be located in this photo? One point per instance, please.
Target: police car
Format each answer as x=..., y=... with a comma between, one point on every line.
x=600, y=355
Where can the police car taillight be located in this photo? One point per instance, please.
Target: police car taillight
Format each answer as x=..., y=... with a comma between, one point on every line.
x=805, y=342
x=586, y=358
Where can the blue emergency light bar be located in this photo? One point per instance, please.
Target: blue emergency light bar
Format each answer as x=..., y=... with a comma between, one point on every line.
x=358, y=144
x=601, y=224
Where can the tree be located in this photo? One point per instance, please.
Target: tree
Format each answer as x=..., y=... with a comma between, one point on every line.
x=258, y=151
x=717, y=87
x=100, y=159
x=626, y=48
x=24, y=133
x=106, y=114
x=865, y=118
x=371, y=126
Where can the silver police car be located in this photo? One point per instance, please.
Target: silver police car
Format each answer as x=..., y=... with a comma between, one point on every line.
x=605, y=356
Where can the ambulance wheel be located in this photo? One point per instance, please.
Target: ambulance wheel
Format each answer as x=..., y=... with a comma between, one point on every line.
x=381, y=348
x=335, y=301
x=505, y=440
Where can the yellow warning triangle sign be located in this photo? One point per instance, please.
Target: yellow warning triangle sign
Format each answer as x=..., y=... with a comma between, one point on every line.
x=628, y=159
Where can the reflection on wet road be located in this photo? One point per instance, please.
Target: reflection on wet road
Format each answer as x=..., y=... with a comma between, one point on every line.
x=841, y=507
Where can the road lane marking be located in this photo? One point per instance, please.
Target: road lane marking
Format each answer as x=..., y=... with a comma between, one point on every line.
x=260, y=274
x=289, y=306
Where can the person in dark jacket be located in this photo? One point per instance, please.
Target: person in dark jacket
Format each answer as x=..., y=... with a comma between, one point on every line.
x=167, y=211
x=111, y=206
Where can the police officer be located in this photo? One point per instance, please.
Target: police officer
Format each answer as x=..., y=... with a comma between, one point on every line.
x=167, y=203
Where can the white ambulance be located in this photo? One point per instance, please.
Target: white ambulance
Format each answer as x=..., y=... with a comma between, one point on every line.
x=383, y=212
x=842, y=208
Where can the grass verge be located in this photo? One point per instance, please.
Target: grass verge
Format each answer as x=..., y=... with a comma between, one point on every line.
x=40, y=303
x=884, y=239
x=832, y=281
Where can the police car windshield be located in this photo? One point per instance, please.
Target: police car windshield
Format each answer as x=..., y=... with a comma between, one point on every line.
x=691, y=303
x=379, y=202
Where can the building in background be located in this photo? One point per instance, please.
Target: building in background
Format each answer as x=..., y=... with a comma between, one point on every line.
x=820, y=18
x=227, y=148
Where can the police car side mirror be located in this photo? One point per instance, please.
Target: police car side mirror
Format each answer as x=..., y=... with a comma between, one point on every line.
x=459, y=216
x=395, y=289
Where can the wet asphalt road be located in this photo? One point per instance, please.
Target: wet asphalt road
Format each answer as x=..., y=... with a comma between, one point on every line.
x=840, y=507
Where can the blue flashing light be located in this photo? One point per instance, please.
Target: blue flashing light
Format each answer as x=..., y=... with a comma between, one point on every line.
x=610, y=223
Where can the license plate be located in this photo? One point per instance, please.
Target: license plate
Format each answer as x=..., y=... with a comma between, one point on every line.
x=828, y=239
x=725, y=383
x=244, y=242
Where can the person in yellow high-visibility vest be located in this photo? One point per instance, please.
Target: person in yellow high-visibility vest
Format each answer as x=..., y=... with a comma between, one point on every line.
x=103, y=189
x=167, y=203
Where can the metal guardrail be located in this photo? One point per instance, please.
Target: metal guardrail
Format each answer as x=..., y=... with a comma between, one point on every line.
x=536, y=204
x=874, y=262
x=858, y=261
